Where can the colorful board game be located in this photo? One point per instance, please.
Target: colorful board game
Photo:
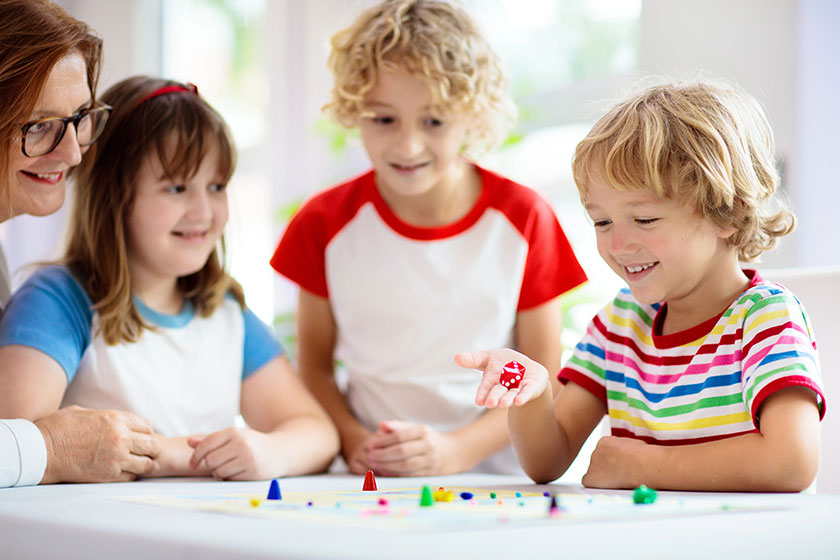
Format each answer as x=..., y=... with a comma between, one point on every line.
x=452, y=508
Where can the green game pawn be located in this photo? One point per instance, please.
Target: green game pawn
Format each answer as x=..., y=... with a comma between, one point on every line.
x=426, y=499
x=644, y=495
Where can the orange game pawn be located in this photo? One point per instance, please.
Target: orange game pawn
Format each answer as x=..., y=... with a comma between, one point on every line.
x=370, y=482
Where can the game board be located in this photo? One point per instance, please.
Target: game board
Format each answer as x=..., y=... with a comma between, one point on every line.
x=399, y=509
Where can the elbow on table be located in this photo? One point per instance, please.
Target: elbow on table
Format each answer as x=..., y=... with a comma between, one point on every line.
x=798, y=475
x=331, y=443
x=542, y=475
x=796, y=471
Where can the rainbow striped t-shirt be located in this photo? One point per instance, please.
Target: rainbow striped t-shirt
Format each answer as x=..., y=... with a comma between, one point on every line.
x=701, y=384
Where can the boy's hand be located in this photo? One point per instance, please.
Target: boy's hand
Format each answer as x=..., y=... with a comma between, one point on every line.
x=617, y=462
x=490, y=393
x=406, y=449
x=230, y=454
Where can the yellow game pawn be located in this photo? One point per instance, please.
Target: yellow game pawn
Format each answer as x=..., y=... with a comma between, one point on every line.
x=443, y=495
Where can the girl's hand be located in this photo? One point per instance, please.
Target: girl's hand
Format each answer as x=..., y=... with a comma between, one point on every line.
x=231, y=454
x=490, y=393
x=406, y=449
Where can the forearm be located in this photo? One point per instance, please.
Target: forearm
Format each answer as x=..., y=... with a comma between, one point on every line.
x=323, y=387
x=174, y=459
x=538, y=332
x=783, y=457
x=480, y=439
x=303, y=445
x=541, y=446
x=747, y=463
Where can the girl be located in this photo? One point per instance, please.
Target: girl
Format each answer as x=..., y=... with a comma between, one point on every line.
x=141, y=315
x=709, y=374
x=426, y=253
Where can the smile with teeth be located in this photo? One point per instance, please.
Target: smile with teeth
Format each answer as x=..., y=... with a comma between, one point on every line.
x=407, y=167
x=50, y=177
x=190, y=234
x=639, y=268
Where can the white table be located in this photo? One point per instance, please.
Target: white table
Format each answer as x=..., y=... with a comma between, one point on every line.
x=85, y=521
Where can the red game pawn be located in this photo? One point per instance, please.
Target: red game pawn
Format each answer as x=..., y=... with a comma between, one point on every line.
x=370, y=482
x=512, y=375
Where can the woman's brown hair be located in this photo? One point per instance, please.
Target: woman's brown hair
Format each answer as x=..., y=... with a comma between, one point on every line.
x=34, y=36
x=142, y=126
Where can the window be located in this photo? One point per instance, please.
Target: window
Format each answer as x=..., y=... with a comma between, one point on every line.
x=225, y=57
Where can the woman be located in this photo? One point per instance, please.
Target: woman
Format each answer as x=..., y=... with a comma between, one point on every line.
x=49, y=67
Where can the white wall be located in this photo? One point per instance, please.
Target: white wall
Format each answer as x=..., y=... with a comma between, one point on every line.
x=131, y=31
x=785, y=53
x=817, y=124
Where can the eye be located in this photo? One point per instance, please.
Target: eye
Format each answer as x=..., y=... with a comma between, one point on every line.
x=38, y=127
x=217, y=187
x=433, y=122
x=600, y=224
x=41, y=129
x=382, y=120
x=646, y=221
x=176, y=189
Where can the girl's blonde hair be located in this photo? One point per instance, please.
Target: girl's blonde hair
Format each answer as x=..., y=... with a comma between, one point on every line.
x=702, y=143
x=142, y=127
x=436, y=42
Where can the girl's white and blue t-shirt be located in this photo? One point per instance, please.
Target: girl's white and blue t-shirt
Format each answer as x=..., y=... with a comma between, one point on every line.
x=184, y=376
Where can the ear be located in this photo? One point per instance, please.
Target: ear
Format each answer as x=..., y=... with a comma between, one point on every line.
x=726, y=232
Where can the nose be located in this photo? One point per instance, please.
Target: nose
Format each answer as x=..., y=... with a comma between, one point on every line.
x=68, y=150
x=621, y=240
x=199, y=206
x=409, y=142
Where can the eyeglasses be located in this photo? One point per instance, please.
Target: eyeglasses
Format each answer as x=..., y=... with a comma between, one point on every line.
x=43, y=136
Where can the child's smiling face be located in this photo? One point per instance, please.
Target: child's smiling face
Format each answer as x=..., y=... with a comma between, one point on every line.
x=174, y=224
x=413, y=149
x=664, y=250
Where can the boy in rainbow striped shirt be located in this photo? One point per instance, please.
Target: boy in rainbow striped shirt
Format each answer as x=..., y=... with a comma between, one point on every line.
x=709, y=373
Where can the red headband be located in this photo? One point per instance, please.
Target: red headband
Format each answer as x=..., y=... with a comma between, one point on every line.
x=189, y=88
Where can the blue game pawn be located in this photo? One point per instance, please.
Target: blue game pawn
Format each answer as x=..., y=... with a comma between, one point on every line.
x=274, y=491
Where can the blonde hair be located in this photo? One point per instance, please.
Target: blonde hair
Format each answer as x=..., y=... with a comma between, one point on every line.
x=103, y=195
x=434, y=41
x=702, y=143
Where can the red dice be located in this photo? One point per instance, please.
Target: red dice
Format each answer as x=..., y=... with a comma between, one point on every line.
x=511, y=375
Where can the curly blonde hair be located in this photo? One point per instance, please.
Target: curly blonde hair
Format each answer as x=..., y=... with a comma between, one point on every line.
x=436, y=42
x=705, y=143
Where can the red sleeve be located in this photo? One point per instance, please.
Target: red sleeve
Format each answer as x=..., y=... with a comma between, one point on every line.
x=568, y=374
x=300, y=254
x=551, y=268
